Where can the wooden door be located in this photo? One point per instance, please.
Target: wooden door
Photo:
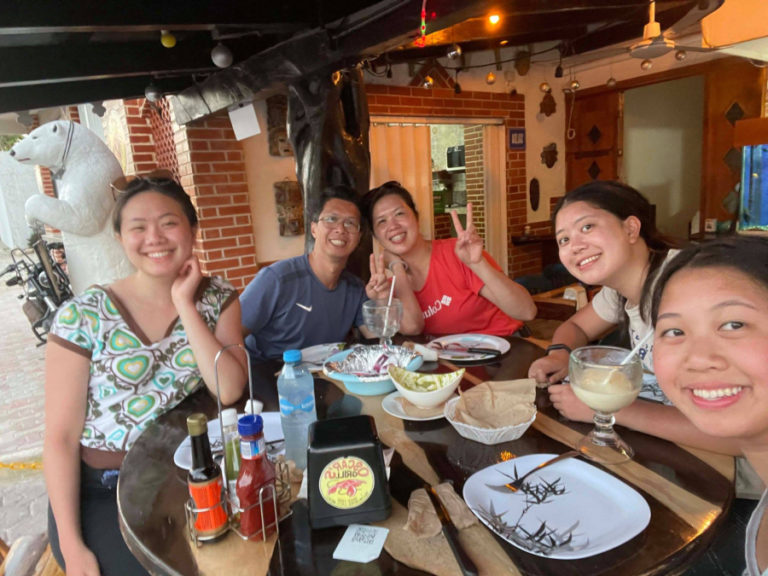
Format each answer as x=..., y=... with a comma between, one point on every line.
x=593, y=138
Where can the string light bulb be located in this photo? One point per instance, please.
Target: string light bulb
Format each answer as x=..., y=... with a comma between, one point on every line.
x=545, y=87
x=428, y=82
x=681, y=55
x=494, y=19
x=454, y=52
x=575, y=85
x=221, y=56
x=152, y=92
x=167, y=39
x=611, y=82
x=490, y=78
x=646, y=64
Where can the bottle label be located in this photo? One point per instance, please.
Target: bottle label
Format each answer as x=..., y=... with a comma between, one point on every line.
x=211, y=516
x=306, y=405
x=347, y=482
x=252, y=449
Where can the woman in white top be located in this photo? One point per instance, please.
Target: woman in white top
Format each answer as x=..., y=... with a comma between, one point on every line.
x=710, y=311
x=607, y=237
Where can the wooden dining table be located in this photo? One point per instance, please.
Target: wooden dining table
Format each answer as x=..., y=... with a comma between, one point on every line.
x=688, y=492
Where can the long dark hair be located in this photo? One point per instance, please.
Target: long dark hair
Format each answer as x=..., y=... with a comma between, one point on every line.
x=745, y=254
x=624, y=201
x=388, y=188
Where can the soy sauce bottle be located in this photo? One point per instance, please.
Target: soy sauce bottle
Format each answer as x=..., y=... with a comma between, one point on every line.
x=205, y=482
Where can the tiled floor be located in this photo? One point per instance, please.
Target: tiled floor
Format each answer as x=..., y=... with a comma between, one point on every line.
x=23, y=498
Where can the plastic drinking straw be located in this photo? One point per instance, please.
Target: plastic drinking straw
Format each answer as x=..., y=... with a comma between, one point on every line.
x=637, y=347
x=389, y=304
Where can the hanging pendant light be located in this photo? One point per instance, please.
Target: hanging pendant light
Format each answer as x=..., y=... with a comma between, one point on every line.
x=221, y=56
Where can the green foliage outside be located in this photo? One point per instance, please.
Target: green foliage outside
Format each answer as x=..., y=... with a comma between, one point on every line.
x=8, y=140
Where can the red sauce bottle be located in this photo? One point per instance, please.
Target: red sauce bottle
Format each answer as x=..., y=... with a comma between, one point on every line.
x=256, y=471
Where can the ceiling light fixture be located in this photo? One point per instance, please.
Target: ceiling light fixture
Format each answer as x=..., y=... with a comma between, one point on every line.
x=221, y=56
x=167, y=38
x=575, y=85
x=490, y=78
x=545, y=87
x=153, y=93
x=494, y=19
x=454, y=52
x=559, y=69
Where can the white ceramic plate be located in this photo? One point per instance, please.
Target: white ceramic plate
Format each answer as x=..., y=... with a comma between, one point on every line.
x=469, y=341
x=313, y=357
x=582, y=510
x=273, y=431
x=391, y=405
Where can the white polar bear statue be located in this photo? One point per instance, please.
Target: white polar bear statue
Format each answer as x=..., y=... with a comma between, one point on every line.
x=84, y=168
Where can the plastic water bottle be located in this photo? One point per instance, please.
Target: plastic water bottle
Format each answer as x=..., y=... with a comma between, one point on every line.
x=296, y=389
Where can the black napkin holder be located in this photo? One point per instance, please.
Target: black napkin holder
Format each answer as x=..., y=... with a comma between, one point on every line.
x=346, y=476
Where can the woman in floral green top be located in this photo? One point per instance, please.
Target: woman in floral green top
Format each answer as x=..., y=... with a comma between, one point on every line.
x=121, y=355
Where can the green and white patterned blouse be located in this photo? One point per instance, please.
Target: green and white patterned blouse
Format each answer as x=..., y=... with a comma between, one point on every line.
x=132, y=380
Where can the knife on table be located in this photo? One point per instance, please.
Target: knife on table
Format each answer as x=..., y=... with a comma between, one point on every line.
x=451, y=534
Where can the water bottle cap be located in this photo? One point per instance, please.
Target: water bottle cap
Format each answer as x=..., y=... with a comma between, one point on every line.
x=250, y=425
x=229, y=417
x=292, y=356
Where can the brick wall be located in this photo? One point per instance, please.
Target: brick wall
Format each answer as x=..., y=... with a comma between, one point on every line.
x=416, y=101
x=475, y=173
x=443, y=226
x=212, y=165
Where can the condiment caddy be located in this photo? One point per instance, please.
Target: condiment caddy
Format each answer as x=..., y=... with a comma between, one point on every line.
x=214, y=508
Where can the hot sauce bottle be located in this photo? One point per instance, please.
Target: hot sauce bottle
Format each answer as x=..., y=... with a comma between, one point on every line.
x=256, y=472
x=205, y=482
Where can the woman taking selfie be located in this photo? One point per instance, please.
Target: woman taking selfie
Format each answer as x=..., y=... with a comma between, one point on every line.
x=710, y=311
x=121, y=355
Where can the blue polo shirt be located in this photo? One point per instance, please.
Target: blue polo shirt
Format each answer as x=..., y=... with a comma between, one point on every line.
x=286, y=306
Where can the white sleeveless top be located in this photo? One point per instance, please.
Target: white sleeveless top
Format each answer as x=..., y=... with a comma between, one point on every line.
x=751, y=538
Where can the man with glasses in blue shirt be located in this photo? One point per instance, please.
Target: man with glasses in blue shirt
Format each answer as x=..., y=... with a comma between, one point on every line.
x=309, y=299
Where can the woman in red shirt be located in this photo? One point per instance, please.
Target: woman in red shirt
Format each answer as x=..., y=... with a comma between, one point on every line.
x=446, y=286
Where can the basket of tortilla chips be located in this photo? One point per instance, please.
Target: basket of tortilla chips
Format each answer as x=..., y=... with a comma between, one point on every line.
x=494, y=412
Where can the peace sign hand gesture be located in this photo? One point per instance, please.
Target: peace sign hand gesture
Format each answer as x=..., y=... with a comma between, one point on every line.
x=469, y=245
x=378, y=286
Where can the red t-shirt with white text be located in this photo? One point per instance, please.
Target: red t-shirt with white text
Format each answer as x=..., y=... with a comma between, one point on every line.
x=450, y=299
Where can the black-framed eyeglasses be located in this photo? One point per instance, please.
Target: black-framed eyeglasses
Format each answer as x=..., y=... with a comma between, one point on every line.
x=333, y=221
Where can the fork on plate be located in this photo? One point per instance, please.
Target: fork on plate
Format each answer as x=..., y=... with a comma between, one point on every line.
x=516, y=484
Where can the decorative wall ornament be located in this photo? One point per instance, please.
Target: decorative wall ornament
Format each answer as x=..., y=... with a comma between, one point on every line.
x=84, y=169
x=534, y=194
x=549, y=155
x=277, y=133
x=290, y=208
x=548, y=105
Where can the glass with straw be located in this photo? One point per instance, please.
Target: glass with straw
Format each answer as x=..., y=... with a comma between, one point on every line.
x=383, y=317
